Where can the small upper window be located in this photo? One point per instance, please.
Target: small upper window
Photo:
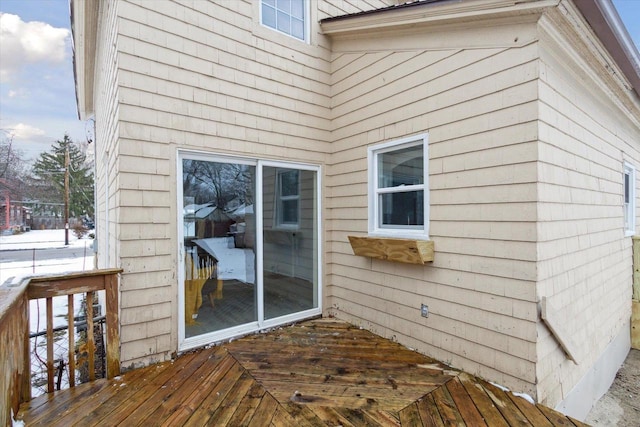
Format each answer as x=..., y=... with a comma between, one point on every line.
x=288, y=194
x=286, y=16
x=629, y=199
x=399, y=191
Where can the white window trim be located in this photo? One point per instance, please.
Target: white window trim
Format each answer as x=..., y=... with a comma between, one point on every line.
x=306, y=26
x=630, y=208
x=373, y=151
x=280, y=198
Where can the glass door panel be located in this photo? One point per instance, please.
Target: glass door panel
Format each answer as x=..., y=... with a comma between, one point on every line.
x=290, y=241
x=219, y=226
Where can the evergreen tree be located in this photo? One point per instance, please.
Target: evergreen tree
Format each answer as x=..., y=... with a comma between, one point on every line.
x=49, y=173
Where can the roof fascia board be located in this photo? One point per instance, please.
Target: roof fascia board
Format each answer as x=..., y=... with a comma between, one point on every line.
x=84, y=24
x=431, y=12
x=608, y=27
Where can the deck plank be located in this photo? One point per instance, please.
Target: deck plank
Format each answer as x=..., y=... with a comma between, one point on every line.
x=506, y=407
x=464, y=403
x=318, y=373
x=429, y=413
x=135, y=408
x=222, y=400
x=187, y=406
x=76, y=414
x=558, y=419
x=264, y=412
x=304, y=415
x=447, y=407
x=247, y=406
x=410, y=416
x=59, y=403
x=181, y=391
x=530, y=411
x=483, y=402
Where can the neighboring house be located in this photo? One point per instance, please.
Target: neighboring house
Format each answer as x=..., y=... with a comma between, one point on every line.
x=13, y=213
x=504, y=134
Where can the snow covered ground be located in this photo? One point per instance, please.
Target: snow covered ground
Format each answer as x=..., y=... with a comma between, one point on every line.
x=13, y=272
x=44, y=239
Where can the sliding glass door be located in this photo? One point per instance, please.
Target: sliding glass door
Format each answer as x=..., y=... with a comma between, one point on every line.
x=249, y=246
x=289, y=231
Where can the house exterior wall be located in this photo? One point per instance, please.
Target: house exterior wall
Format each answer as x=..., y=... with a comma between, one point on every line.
x=203, y=76
x=106, y=131
x=518, y=147
x=479, y=107
x=584, y=257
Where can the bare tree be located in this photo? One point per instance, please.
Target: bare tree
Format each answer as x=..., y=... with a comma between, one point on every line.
x=218, y=182
x=12, y=164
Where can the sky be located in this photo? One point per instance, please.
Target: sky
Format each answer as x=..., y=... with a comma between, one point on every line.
x=37, y=89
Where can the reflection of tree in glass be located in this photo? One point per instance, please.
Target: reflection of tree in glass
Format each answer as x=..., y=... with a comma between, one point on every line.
x=217, y=182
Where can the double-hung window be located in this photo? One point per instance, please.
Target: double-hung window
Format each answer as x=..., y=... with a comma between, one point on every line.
x=398, y=188
x=629, y=176
x=286, y=16
x=288, y=198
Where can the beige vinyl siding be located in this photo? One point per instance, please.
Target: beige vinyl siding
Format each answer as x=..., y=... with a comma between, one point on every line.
x=585, y=261
x=107, y=125
x=202, y=76
x=479, y=109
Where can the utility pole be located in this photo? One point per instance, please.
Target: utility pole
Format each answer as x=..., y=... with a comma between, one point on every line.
x=66, y=195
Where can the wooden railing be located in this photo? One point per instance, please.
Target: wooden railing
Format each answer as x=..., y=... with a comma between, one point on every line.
x=15, y=377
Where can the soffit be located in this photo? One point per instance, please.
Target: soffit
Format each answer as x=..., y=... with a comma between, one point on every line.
x=84, y=24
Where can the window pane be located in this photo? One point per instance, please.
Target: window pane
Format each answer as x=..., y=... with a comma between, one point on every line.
x=297, y=28
x=219, y=235
x=401, y=167
x=297, y=9
x=284, y=6
x=402, y=209
x=271, y=3
x=268, y=16
x=626, y=188
x=283, y=22
x=289, y=183
x=289, y=211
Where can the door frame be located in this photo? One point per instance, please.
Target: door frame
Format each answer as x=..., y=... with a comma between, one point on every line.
x=185, y=343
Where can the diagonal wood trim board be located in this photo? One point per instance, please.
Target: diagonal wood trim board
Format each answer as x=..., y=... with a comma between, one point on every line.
x=552, y=320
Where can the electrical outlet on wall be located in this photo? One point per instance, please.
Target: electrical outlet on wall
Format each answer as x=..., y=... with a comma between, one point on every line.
x=424, y=310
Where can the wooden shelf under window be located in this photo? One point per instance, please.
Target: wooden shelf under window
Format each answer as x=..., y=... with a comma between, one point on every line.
x=409, y=251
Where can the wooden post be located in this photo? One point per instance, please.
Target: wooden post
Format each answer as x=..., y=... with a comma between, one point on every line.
x=72, y=341
x=113, y=333
x=91, y=338
x=50, y=367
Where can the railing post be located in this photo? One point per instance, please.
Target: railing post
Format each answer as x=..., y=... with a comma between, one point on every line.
x=113, y=325
x=15, y=386
x=25, y=380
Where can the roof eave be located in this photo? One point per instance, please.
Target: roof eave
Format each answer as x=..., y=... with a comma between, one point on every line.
x=608, y=27
x=429, y=11
x=84, y=23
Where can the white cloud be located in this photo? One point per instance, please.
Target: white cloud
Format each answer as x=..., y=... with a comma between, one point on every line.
x=29, y=42
x=25, y=132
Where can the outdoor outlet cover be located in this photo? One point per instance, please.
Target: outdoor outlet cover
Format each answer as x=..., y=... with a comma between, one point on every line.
x=424, y=310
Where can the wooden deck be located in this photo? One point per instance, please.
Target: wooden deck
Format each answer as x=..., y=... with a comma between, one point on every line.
x=317, y=373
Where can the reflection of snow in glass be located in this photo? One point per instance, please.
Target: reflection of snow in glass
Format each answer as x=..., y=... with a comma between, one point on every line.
x=233, y=263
